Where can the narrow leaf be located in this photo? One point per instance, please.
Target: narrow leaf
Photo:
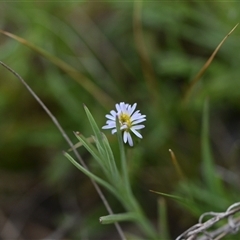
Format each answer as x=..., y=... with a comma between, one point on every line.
x=195, y=80
x=180, y=199
x=117, y=218
x=95, y=128
x=92, y=176
x=212, y=181
x=162, y=219
x=111, y=161
x=90, y=148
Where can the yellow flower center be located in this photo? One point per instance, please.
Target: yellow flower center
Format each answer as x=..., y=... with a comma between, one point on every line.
x=125, y=119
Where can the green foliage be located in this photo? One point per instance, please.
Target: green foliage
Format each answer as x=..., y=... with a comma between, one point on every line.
x=213, y=183
x=84, y=52
x=212, y=189
x=118, y=179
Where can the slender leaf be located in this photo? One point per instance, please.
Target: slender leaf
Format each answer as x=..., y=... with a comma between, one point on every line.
x=212, y=181
x=118, y=218
x=90, y=148
x=95, y=128
x=162, y=222
x=111, y=160
x=180, y=199
x=205, y=67
x=95, y=153
x=93, y=176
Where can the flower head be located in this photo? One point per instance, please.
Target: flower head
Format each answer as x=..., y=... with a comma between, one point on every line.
x=129, y=120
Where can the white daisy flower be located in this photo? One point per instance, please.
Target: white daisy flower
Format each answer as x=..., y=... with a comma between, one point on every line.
x=129, y=120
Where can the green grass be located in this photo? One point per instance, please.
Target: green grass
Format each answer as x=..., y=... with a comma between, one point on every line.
x=90, y=53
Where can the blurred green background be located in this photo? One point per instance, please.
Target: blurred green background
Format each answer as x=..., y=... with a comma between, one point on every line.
x=122, y=51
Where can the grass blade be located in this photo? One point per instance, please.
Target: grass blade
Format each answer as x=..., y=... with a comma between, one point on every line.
x=111, y=161
x=118, y=218
x=162, y=222
x=195, y=80
x=92, y=176
x=212, y=181
x=95, y=128
x=86, y=83
x=90, y=148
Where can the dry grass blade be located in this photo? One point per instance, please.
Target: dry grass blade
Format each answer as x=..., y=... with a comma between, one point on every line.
x=86, y=83
x=147, y=68
x=176, y=165
x=204, y=68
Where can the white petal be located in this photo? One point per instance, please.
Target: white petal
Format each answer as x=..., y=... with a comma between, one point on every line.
x=113, y=112
x=125, y=137
x=114, y=131
x=112, y=125
x=110, y=122
x=123, y=107
x=136, y=113
x=137, y=116
x=123, y=127
x=138, y=121
x=131, y=110
x=138, y=127
x=118, y=107
x=110, y=117
x=107, y=127
x=137, y=133
x=129, y=138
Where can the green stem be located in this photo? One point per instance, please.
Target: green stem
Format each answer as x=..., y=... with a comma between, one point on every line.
x=142, y=221
x=123, y=159
x=130, y=202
